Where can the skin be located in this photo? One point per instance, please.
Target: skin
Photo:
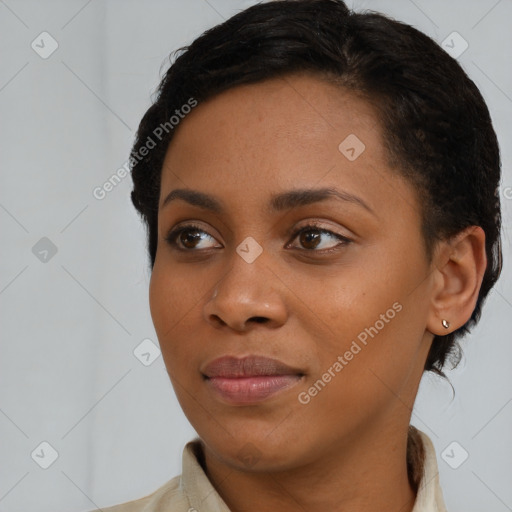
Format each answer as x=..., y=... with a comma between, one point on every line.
x=349, y=442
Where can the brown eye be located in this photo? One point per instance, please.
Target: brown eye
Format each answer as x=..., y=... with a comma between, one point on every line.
x=186, y=238
x=311, y=237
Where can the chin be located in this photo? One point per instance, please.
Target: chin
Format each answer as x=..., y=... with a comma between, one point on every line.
x=256, y=451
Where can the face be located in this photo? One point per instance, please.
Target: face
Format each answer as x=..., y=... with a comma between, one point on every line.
x=290, y=323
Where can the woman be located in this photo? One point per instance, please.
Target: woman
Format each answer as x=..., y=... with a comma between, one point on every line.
x=320, y=193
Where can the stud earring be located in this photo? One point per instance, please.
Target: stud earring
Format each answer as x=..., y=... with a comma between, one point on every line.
x=445, y=323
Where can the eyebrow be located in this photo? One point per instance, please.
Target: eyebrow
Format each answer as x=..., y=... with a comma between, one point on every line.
x=278, y=202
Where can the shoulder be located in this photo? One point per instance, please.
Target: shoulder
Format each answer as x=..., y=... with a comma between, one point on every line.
x=167, y=498
x=183, y=493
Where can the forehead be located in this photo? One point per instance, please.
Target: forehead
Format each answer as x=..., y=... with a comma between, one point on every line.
x=296, y=131
x=294, y=108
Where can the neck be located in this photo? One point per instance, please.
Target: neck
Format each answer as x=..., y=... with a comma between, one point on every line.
x=366, y=473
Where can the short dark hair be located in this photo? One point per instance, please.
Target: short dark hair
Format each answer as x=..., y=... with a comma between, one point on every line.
x=436, y=126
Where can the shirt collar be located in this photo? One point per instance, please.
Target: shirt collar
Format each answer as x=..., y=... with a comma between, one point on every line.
x=194, y=482
x=203, y=496
x=430, y=495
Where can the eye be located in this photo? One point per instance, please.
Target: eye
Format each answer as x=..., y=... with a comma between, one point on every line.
x=311, y=235
x=184, y=238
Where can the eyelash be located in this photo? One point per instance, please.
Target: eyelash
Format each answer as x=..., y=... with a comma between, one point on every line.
x=173, y=235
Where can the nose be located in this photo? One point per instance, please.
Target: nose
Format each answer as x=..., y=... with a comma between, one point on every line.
x=247, y=294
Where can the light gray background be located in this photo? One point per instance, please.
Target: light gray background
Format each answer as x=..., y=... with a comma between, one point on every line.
x=70, y=325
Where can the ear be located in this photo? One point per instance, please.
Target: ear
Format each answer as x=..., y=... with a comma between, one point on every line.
x=458, y=273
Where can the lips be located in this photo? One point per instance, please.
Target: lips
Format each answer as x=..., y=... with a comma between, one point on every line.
x=249, y=379
x=250, y=366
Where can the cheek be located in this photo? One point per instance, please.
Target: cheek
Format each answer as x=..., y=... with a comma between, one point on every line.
x=173, y=310
x=355, y=299
x=174, y=302
x=172, y=294
x=168, y=303
x=375, y=312
x=160, y=301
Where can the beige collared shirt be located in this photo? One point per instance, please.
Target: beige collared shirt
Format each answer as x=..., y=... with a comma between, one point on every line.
x=193, y=492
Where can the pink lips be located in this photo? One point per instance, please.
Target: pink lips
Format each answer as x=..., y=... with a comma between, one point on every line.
x=250, y=379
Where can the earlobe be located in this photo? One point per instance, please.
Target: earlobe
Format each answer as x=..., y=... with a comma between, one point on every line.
x=459, y=269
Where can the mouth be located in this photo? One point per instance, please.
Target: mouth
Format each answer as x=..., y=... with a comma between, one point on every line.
x=251, y=379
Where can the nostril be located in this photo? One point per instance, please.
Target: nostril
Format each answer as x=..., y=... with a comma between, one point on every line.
x=259, y=319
